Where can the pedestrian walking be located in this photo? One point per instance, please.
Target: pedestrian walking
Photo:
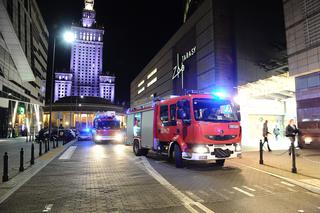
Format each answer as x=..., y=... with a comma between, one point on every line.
x=276, y=132
x=265, y=133
x=291, y=132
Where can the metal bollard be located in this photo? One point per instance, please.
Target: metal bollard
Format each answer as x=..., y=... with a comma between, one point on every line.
x=53, y=143
x=32, y=154
x=57, y=143
x=27, y=138
x=293, y=156
x=45, y=146
x=40, y=148
x=261, y=152
x=21, y=168
x=5, y=176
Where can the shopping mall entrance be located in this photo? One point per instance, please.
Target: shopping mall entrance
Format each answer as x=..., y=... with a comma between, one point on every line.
x=271, y=99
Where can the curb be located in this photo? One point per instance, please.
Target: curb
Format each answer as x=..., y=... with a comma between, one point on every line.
x=16, y=182
x=306, y=186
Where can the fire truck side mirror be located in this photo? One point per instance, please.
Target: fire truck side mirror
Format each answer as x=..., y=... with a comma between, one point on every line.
x=239, y=115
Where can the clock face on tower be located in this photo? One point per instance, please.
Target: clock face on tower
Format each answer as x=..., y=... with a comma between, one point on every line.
x=89, y=4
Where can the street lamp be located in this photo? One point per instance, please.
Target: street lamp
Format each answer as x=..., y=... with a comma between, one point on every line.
x=69, y=38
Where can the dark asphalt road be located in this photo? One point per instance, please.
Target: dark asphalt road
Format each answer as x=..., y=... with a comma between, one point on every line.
x=109, y=178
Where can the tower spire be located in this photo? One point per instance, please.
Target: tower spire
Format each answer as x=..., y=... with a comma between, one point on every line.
x=89, y=4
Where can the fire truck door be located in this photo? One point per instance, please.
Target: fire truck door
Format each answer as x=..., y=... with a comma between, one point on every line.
x=183, y=118
x=163, y=124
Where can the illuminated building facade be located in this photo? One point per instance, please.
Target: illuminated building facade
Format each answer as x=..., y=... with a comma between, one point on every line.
x=86, y=77
x=223, y=46
x=23, y=65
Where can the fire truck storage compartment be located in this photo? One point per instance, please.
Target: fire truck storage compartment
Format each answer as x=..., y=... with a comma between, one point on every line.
x=147, y=129
x=130, y=123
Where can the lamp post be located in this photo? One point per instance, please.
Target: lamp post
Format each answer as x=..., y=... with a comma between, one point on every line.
x=69, y=38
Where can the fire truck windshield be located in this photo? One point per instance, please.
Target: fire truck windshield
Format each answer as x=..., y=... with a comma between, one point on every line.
x=108, y=124
x=214, y=110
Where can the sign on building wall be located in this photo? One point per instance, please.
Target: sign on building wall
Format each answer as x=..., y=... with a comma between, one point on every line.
x=184, y=71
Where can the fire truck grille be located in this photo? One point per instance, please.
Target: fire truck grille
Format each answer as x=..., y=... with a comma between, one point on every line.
x=220, y=138
x=220, y=153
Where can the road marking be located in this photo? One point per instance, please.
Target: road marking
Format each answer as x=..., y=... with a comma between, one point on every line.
x=289, y=189
x=230, y=192
x=263, y=189
x=244, y=192
x=48, y=208
x=288, y=184
x=220, y=194
x=68, y=154
x=298, y=183
x=246, y=187
x=269, y=187
x=204, y=193
x=187, y=201
x=301, y=210
x=195, y=197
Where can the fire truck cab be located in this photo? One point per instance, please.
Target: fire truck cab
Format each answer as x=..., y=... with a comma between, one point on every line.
x=106, y=127
x=194, y=127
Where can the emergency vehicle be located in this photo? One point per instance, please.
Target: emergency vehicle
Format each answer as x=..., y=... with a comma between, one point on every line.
x=106, y=127
x=194, y=127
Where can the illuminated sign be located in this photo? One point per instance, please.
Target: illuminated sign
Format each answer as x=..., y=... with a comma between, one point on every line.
x=152, y=82
x=179, y=68
x=141, y=90
x=21, y=110
x=152, y=73
x=140, y=84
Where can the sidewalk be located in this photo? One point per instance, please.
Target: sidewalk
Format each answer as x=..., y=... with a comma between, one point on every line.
x=279, y=163
x=13, y=146
x=15, y=182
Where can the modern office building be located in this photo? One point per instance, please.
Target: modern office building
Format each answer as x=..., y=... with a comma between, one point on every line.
x=302, y=22
x=234, y=46
x=86, y=76
x=23, y=65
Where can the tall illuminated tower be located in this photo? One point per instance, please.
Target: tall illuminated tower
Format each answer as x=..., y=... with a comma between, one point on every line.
x=87, y=78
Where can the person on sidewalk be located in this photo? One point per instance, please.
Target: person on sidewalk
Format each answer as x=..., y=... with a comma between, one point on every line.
x=276, y=132
x=291, y=132
x=265, y=133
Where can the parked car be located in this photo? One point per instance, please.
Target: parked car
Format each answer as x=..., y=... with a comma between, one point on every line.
x=61, y=134
x=85, y=134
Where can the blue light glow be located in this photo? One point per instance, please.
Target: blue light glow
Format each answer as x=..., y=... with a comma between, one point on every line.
x=220, y=94
x=87, y=129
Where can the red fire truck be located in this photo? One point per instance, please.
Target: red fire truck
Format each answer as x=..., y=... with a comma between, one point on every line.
x=195, y=127
x=106, y=127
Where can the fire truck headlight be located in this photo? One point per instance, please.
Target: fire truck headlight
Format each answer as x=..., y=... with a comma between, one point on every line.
x=200, y=149
x=237, y=147
x=234, y=126
x=98, y=137
x=307, y=140
x=119, y=137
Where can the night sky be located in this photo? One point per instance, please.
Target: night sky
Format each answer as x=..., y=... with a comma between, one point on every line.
x=134, y=32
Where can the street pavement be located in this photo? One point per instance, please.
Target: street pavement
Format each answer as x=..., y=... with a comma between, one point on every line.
x=109, y=178
x=13, y=146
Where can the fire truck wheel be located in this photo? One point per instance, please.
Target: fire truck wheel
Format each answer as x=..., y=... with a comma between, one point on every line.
x=145, y=152
x=177, y=156
x=137, y=151
x=220, y=162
